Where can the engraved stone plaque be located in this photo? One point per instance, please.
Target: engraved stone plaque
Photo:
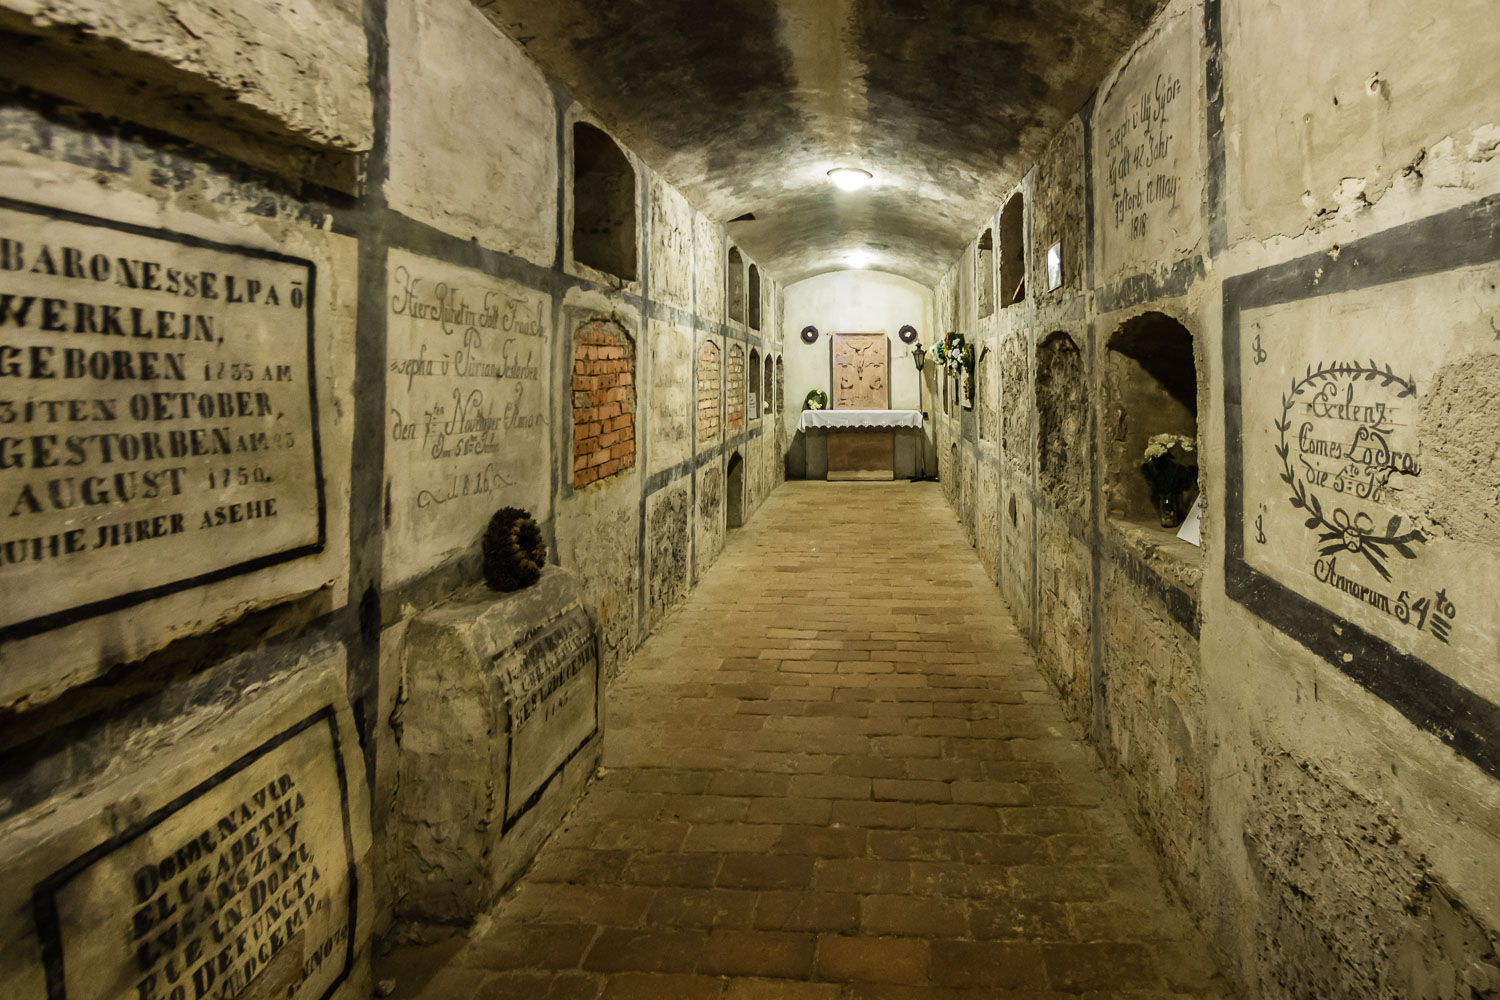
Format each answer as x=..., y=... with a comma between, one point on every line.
x=247, y=875
x=466, y=408
x=551, y=691
x=158, y=414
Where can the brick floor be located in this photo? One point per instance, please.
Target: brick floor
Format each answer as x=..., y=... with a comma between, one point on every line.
x=835, y=772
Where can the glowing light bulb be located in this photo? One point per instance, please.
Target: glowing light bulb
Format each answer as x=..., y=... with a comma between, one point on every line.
x=849, y=178
x=858, y=259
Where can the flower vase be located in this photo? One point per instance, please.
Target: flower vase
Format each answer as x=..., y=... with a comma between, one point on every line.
x=1169, y=509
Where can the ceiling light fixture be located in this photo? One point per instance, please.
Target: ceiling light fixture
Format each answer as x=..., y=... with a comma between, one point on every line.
x=850, y=178
x=858, y=259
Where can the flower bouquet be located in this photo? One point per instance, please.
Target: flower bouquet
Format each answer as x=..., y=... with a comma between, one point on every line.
x=816, y=399
x=1170, y=473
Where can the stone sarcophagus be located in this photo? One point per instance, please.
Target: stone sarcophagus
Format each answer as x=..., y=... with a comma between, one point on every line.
x=500, y=730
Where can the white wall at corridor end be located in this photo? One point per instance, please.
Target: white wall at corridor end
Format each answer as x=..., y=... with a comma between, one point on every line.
x=853, y=302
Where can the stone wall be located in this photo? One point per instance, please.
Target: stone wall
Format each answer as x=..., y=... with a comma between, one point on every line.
x=1301, y=710
x=371, y=369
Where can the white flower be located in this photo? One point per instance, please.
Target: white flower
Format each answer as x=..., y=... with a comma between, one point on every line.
x=1160, y=444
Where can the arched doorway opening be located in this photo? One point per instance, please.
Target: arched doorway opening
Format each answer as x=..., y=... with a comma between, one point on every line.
x=734, y=498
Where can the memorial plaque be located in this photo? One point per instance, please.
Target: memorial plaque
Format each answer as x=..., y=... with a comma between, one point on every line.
x=158, y=414
x=466, y=396
x=243, y=886
x=1148, y=153
x=551, y=687
x=1361, y=479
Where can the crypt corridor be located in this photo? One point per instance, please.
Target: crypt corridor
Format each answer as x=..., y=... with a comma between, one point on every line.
x=835, y=781
x=860, y=499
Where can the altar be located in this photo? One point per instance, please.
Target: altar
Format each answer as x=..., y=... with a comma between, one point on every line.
x=869, y=445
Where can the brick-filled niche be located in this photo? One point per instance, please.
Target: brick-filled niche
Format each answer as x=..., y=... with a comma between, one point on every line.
x=736, y=388
x=603, y=401
x=710, y=375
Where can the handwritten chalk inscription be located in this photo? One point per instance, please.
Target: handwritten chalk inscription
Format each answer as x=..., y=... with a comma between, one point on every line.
x=466, y=407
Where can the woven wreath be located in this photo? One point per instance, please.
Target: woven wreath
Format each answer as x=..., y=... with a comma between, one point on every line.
x=513, y=550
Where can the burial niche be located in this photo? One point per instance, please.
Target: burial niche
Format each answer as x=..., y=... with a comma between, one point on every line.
x=984, y=393
x=754, y=296
x=709, y=376
x=1151, y=388
x=984, y=273
x=1013, y=251
x=604, y=234
x=736, y=286
x=754, y=384
x=735, y=389
x=1061, y=420
x=734, y=500
x=768, y=397
x=603, y=402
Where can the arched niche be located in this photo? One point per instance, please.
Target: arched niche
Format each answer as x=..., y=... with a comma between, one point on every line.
x=1013, y=251
x=735, y=283
x=734, y=492
x=984, y=273
x=753, y=295
x=1062, y=421
x=710, y=379
x=1151, y=387
x=753, y=384
x=734, y=389
x=604, y=224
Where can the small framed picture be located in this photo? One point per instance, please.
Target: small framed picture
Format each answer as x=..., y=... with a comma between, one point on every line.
x=1054, y=267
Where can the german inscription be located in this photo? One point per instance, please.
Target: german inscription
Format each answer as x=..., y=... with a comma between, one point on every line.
x=552, y=689
x=158, y=419
x=466, y=397
x=1149, y=154
x=244, y=884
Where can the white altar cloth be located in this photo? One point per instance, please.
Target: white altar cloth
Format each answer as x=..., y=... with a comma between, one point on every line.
x=826, y=419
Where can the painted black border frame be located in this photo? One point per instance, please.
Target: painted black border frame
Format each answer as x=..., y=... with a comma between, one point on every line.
x=1459, y=238
x=81, y=612
x=44, y=894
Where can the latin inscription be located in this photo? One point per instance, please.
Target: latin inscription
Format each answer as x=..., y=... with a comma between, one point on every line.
x=552, y=691
x=466, y=423
x=245, y=884
x=157, y=414
x=1342, y=503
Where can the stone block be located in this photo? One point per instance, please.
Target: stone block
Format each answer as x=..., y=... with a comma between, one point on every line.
x=226, y=853
x=500, y=731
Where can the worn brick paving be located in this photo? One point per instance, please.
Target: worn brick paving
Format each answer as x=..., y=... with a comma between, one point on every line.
x=837, y=773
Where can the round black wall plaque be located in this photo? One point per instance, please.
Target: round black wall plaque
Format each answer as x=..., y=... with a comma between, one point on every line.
x=809, y=335
x=908, y=334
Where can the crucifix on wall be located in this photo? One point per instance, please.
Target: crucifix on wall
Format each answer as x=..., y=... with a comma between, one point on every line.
x=861, y=368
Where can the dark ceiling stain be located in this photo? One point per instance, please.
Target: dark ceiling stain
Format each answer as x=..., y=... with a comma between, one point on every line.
x=960, y=96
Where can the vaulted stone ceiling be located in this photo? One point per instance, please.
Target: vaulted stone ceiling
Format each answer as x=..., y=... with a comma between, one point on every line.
x=746, y=104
